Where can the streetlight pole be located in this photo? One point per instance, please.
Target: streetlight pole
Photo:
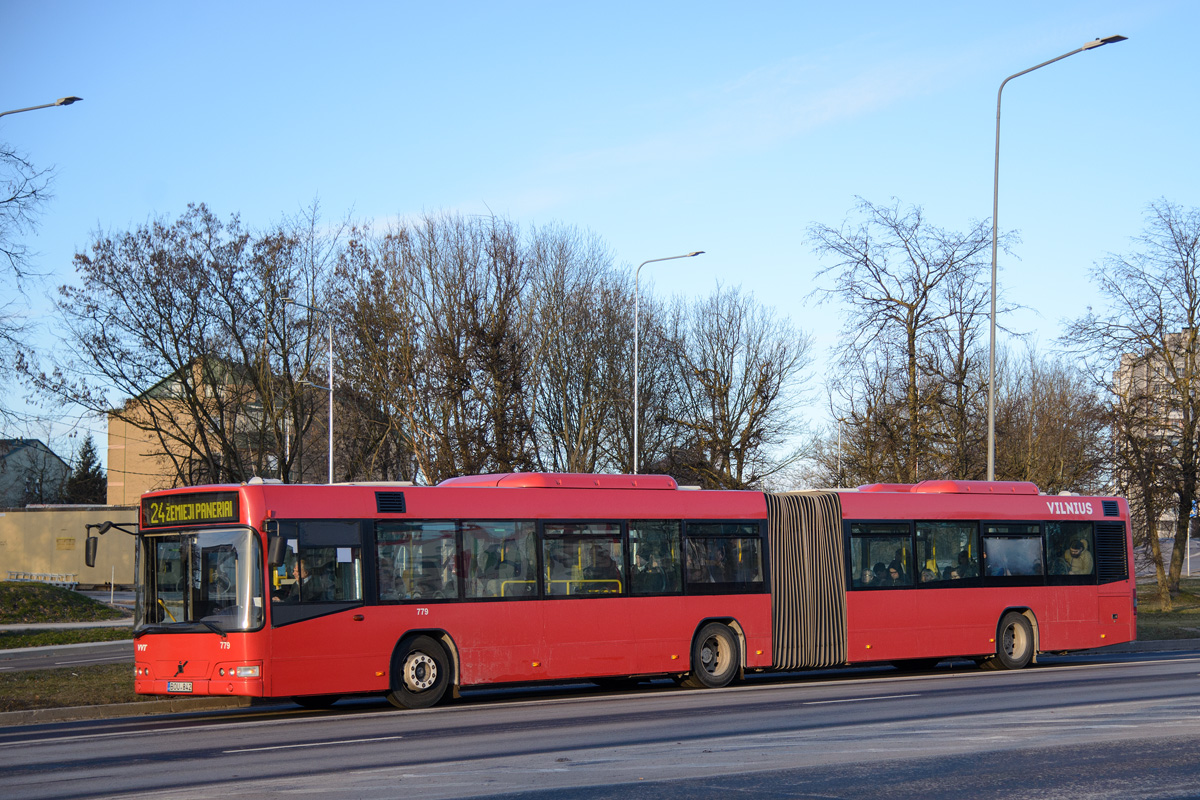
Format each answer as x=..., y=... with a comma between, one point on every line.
x=62, y=101
x=636, y=277
x=991, y=457
x=290, y=301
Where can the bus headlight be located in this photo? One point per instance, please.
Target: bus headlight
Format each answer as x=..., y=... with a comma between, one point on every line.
x=248, y=672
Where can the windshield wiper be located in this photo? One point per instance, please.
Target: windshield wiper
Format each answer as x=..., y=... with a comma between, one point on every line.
x=179, y=627
x=212, y=626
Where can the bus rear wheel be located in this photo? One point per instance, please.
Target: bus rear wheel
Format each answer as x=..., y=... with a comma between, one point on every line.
x=420, y=674
x=1014, y=643
x=714, y=658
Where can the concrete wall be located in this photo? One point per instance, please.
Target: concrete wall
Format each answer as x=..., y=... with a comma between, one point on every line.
x=50, y=540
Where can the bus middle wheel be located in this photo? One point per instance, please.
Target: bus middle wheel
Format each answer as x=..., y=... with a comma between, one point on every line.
x=420, y=674
x=714, y=658
x=1014, y=643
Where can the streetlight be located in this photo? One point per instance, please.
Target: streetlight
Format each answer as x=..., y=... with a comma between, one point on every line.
x=636, y=276
x=991, y=463
x=290, y=301
x=62, y=101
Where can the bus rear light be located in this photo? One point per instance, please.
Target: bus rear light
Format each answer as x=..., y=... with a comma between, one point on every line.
x=248, y=672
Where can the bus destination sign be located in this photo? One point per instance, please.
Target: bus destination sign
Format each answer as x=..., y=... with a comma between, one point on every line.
x=189, y=509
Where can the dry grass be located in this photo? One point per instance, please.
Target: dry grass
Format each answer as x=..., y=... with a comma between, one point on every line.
x=65, y=687
x=22, y=602
x=1181, y=622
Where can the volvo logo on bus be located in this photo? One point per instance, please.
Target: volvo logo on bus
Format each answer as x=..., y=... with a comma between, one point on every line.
x=179, y=669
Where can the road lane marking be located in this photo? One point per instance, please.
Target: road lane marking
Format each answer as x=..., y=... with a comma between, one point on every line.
x=93, y=660
x=858, y=699
x=312, y=744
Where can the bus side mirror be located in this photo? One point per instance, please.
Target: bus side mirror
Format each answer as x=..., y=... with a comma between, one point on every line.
x=89, y=550
x=276, y=551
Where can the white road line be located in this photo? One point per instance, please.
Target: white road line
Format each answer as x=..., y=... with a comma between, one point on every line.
x=858, y=699
x=312, y=744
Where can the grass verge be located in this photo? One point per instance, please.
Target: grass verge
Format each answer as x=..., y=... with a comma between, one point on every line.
x=30, y=602
x=66, y=687
x=1181, y=622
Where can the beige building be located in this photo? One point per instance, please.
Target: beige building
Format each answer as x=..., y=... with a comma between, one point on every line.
x=48, y=541
x=152, y=438
x=1147, y=386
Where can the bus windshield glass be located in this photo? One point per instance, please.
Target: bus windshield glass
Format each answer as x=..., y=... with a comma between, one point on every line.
x=205, y=580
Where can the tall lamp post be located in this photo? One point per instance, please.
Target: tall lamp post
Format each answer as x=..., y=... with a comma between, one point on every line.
x=62, y=101
x=290, y=301
x=991, y=459
x=636, y=276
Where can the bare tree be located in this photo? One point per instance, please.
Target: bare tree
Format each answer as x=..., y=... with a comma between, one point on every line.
x=582, y=377
x=1052, y=427
x=441, y=343
x=184, y=321
x=24, y=189
x=915, y=295
x=740, y=366
x=1145, y=350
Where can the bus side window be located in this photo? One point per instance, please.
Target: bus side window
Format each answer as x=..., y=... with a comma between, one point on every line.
x=723, y=557
x=499, y=559
x=1012, y=550
x=416, y=561
x=654, y=557
x=323, y=567
x=1070, y=549
x=947, y=551
x=881, y=555
x=583, y=559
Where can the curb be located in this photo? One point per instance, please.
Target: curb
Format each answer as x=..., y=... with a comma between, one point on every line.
x=142, y=709
x=1147, y=646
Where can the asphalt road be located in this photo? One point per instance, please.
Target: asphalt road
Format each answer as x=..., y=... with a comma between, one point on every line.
x=68, y=655
x=1114, y=726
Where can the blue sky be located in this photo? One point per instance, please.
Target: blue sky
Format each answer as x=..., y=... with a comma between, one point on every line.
x=663, y=127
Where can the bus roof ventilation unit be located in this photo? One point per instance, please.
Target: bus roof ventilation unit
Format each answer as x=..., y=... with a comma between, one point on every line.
x=956, y=487
x=389, y=502
x=1111, y=509
x=562, y=480
x=976, y=487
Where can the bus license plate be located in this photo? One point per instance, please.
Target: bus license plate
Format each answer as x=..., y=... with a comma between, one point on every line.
x=179, y=686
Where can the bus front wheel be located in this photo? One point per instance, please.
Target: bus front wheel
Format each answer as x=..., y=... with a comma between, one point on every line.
x=714, y=658
x=420, y=674
x=1014, y=643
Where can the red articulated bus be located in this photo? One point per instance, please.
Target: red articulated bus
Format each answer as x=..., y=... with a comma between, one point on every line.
x=318, y=592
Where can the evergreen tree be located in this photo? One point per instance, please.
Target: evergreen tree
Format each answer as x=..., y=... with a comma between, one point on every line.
x=87, y=483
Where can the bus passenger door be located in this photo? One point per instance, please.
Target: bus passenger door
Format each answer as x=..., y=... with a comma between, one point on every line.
x=318, y=640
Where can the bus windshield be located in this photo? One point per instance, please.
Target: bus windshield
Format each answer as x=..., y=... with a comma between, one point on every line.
x=196, y=581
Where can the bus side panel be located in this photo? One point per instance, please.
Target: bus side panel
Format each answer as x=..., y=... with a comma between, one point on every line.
x=590, y=636
x=664, y=628
x=1118, y=621
x=336, y=653
x=498, y=642
x=927, y=623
